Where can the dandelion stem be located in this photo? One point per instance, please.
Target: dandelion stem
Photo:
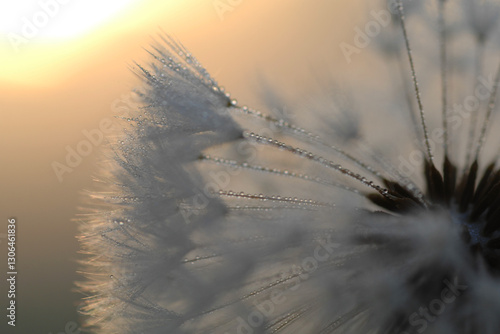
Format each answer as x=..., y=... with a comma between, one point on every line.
x=280, y=172
x=391, y=169
x=444, y=83
x=491, y=107
x=300, y=132
x=275, y=198
x=408, y=98
x=324, y=162
x=478, y=69
x=415, y=81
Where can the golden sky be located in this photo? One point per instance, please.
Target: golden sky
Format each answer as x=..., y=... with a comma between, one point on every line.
x=47, y=39
x=66, y=77
x=44, y=44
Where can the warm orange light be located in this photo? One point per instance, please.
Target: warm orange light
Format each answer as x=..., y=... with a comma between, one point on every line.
x=30, y=20
x=41, y=37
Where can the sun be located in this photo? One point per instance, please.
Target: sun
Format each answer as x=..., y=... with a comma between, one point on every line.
x=47, y=42
x=36, y=20
x=42, y=41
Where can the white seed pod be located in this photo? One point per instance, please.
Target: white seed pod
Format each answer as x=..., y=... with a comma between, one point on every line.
x=218, y=218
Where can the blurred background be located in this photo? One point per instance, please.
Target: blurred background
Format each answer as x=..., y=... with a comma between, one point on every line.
x=64, y=72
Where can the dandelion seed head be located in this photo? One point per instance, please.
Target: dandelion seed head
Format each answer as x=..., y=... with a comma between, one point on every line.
x=220, y=218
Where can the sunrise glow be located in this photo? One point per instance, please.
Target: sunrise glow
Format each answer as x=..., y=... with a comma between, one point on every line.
x=41, y=41
x=27, y=20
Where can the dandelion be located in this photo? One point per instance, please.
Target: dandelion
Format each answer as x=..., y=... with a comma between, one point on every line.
x=219, y=218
